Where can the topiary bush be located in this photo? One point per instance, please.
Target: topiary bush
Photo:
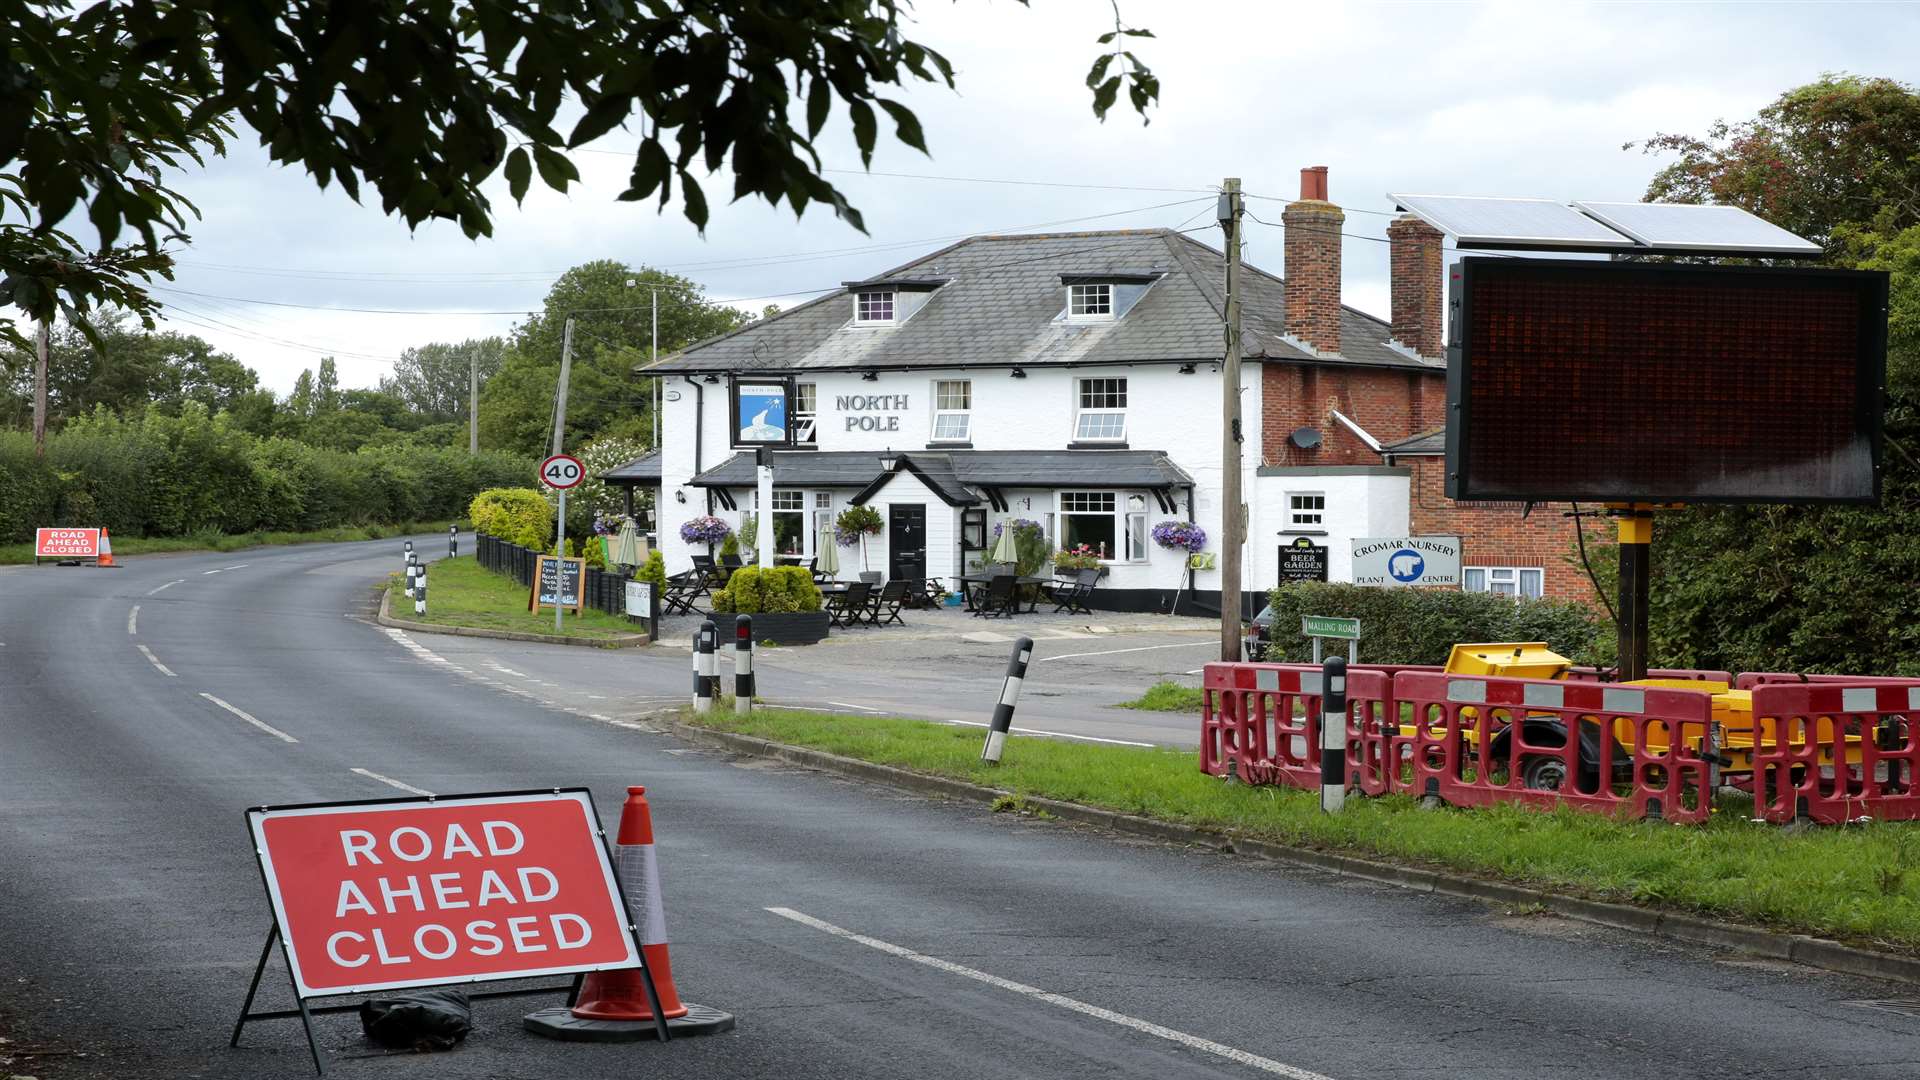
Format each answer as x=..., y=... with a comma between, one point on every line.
x=1420, y=626
x=654, y=570
x=753, y=591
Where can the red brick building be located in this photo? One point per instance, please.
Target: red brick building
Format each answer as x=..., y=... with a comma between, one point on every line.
x=1368, y=430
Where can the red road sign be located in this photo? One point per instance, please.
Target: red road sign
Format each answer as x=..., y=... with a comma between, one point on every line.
x=66, y=543
x=422, y=892
x=562, y=471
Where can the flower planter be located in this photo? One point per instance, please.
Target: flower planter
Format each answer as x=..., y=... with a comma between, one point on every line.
x=783, y=627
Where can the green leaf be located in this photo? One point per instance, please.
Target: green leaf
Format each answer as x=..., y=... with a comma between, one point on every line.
x=519, y=173
x=1099, y=70
x=863, y=129
x=819, y=102
x=906, y=126
x=696, y=200
x=555, y=170
x=605, y=115
x=1104, y=96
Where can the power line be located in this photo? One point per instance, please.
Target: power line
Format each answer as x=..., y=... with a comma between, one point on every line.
x=958, y=179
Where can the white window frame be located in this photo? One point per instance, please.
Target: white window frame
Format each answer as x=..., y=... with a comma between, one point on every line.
x=806, y=414
x=1115, y=513
x=1503, y=580
x=941, y=409
x=797, y=497
x=1135, y=533
x=866, y=301
x=1307, y=518
x=1081, y=392
x=1090, y=302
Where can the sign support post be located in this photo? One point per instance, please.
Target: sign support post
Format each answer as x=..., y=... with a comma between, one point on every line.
x=561, y=547
x=1636, y=592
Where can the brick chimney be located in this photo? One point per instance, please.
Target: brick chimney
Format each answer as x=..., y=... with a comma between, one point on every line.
x=1312, y=258
x=1418, y=270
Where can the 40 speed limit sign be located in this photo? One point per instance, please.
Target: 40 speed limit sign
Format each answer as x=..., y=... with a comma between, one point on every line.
x=561, y=471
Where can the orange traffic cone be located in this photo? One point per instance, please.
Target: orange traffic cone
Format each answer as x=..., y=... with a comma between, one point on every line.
x=612, y=1005
x=106, y=549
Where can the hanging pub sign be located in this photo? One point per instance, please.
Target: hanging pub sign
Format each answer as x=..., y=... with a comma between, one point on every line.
x=1303, y=560
x=762, y=411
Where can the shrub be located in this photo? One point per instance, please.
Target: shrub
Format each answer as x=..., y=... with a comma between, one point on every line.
x=516, y=515
x=753, y=591
x=855, y=522
x=654, y=570
x=731, y=545
x=1420, y=626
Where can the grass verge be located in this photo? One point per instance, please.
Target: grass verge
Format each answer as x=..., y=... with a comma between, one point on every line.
x=459, y=593
x=213, y=541
x=1859, y=883
x=1167, y=697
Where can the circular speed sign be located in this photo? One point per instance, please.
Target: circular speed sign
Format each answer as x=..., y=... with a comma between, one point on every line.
x=561, y=471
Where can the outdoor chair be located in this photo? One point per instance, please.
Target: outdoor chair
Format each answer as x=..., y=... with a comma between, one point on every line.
x=848, y=608
x=710, y=574
x=730, y=563
x=885, y=607
x=1070, y=594
x=997, y=601
x=682, y=590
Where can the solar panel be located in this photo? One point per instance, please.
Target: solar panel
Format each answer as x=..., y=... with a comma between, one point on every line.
x=1682, y=226
x=1479, y=221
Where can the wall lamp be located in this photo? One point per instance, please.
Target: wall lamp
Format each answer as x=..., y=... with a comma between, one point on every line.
x=1186, y=369
x=680, y=496
x=713, y=378
x=869, y=376
x=1019, y=373
x=888, y=460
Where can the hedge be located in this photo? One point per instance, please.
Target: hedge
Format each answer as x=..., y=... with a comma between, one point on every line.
x=157, y=475
x=1420, y=626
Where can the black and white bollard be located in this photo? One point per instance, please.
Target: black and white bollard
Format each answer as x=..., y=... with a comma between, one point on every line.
x=705, y=675
x=743, y=665
x=1333, y=734
x=453, y=541
x=420, y=592
x=413, y=573
x=1009, y=696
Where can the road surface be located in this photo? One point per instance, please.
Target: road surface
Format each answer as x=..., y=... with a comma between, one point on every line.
x=855, y=931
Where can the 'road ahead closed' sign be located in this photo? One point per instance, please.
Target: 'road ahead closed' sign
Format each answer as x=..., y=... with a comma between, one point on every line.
x=373, y=896
x=1407, y=560
x=66, y=543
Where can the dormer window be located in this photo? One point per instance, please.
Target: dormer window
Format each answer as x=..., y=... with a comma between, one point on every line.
x=873, y=307
x=1091, y=302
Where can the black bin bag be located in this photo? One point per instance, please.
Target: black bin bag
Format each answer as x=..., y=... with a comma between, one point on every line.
x=417, y=1019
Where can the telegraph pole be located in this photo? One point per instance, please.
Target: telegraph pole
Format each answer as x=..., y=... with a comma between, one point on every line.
x=473, y=400
x=42, y=344
x=1233, y=514
x=653, y=355
x=560, y=395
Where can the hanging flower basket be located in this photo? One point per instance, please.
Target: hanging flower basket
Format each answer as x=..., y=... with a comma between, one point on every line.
x=1180, y=536
x=704, y=530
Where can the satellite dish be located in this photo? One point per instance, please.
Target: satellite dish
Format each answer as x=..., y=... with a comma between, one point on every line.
x=1305, y=438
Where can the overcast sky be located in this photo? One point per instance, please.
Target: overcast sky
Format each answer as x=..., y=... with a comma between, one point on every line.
x=1493, y=99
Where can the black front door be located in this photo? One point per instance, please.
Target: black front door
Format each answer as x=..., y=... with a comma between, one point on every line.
x=906, y=541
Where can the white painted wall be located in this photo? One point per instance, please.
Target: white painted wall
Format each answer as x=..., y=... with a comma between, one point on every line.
x=1360, y=503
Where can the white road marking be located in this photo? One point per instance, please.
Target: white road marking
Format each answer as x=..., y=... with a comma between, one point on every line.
x=237, y=566
x=391, y=782
x=131, y=616
x=1192, y=1042
x=165, y=587
x=508, y=671
x=850, y=705
x=1051, y=734
x=1111, y=652
x=155, y=661
x=242, y=714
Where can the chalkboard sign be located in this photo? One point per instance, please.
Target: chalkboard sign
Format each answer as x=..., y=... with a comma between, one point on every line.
x=557, y=583
x=1303, y=560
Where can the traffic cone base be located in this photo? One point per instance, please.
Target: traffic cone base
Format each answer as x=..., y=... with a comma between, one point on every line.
x=560, y=1023
x=612, y=1006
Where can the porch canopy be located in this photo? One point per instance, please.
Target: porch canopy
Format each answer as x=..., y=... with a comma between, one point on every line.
x=643, y=471
x=960, y=477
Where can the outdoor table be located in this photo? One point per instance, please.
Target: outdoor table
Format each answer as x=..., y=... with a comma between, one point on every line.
x=982, y=579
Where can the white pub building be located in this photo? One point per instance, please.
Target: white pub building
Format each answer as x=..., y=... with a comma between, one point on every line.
x=1067, y=379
